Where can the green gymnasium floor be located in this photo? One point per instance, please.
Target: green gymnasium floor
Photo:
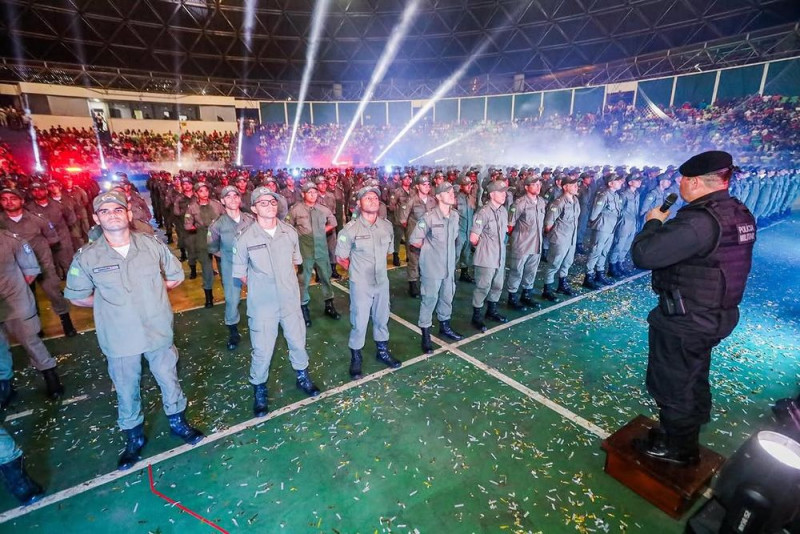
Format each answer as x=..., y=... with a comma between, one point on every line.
x=499, y=432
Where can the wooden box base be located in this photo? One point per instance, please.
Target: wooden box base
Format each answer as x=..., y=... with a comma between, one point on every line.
x=671, y=488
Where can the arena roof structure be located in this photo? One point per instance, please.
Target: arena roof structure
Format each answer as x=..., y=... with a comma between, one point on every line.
x=257, y=48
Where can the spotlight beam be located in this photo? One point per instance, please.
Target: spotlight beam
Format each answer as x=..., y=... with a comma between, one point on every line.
x=317, y=20
x=239, y=142
x=399, y=33
x=448, y=143
x=448, y=84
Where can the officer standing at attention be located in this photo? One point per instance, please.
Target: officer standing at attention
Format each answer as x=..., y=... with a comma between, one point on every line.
x=264, y=256
x=201, y=212
x=399, y=196
x=603, y=220
x=419, y=203
x=488, y=236
x=561, y=228
x=327, y=199
x=626, y=229
x=221, y=235
x=56, y=215
x=40, y=236
x=313, y=222
x=700, y=262
x=526, y=222
x=125, y=276
x=180, y=204
x=435, y=236
x=18, y=268
x=361, y=250
x=465, y=204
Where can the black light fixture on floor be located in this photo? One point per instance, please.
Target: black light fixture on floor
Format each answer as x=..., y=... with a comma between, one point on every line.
x=757, y=492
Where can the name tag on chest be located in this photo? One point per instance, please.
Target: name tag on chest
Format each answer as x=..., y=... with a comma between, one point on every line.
x=257, y=247
x=105, y=269
x=363, y=237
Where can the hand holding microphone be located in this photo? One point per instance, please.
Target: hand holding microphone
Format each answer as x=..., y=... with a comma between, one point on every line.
x=662, y=212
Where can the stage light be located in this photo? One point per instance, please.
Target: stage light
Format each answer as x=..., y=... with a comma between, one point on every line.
x=757, y=491
x=447, y=144
x=239, y=143
x=388, y=168
x=295, y=172
x=392, y=46
x=317, y=20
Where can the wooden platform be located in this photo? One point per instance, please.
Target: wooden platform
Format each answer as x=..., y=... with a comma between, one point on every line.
x=671, y=488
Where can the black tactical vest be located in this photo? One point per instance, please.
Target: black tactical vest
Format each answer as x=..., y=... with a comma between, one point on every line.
x=716, y=280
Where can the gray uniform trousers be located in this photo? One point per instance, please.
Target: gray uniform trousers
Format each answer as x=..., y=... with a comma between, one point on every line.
x=232, y=288
x=264, y=332
x=522, y=272
x=368, y=300
x=126, y=374
x=25, y=331
x=435, y=294
x=488, y=284
x=601, y=245
x=562, y=255
x=623, y=239
x=8, y=447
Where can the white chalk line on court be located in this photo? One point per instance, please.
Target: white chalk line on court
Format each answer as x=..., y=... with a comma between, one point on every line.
x=211, y=438
x=26, y=413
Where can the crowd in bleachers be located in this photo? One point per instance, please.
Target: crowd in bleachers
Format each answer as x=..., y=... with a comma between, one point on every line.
x=14, y=118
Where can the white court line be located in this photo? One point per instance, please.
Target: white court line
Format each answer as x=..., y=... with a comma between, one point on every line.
x=216, y=436
x=525, y=390
x=26, y=413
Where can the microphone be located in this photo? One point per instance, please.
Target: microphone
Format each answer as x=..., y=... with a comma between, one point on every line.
x=668, y=202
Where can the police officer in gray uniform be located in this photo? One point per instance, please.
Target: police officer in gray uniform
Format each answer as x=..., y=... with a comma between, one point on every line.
x=626, y=229
x=603, y=221
x=655, y=197
x=313, y=222
x=221, y=235
x=398, y=198
x=526, y=222
x=125, y=276
x=200, y=213
x=327, y=199
x=488, y=235
x=561, y=229
x=40, y=235
x=419, y=203
x=361, y=250
x=435, y=236
x=465, y=204
x=264, y=256
x=18, y=268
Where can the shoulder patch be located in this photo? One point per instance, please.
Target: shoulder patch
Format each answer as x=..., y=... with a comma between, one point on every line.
x=27, y=248
x=74, y=271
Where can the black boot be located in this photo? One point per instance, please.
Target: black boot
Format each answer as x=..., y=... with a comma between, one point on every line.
x=181, y=428
x=383, y=355
x=513, y=302
x=54, y=388
x=304, y=382
x=19, y=483
x=306, y=314
x=183, y=257
x=133, y=447
x=446, y=331
x=564, y=288
x=589, y=282
x=600, y=276
x=7, y=393
x=355, y=364
x=330, y=310
x=548, y=293
x=395, y=259
x=493, y=314
x=66, y=325
x=477, y=319
x=209, y=299
x=413, y=289
x=260, y=408
x=527, y=299
x=465, y=277
x=334, y=273
x=683, y=450
x=192, y=272
x=614, y=270
x=579, y=249
x=233, y=336
x=427, y=346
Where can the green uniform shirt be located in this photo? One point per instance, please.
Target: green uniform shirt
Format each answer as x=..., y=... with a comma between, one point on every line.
x=310, y=223
x=132, y=312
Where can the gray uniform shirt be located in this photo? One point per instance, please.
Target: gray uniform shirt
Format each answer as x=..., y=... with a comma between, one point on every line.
x=222, y=233
x=268, y=263
x=17, y=260
x=563, y=215
x=527, y=218
x=366, y=245
x=605, y=211
x=491, y=225
x=437, y=257
x=132, y=312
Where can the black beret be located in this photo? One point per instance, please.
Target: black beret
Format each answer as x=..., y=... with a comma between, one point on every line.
x=707, y=162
